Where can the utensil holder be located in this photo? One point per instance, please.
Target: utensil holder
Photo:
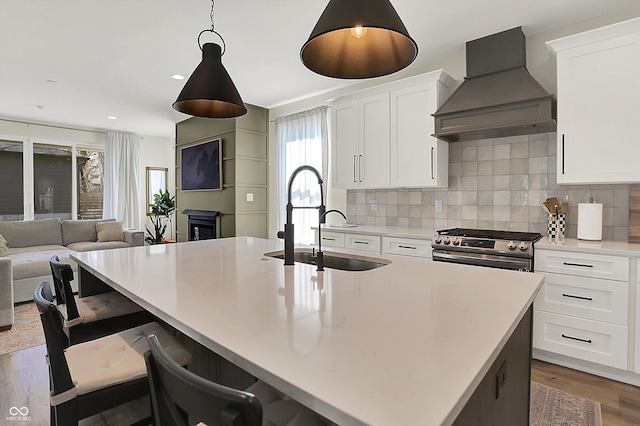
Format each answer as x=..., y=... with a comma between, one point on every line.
x=557, y=226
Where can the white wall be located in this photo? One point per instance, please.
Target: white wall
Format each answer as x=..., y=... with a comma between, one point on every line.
x=540, y=63
x=155, y=151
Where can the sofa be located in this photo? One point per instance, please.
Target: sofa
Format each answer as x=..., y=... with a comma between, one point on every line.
x=27, y=246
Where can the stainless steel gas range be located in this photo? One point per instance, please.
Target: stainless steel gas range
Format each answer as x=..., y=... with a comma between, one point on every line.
x=484, y=247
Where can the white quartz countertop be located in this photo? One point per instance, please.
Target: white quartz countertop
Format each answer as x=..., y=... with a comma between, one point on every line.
x=404, y=344
x=619, y=248
x=384, y=231
x=568, y=244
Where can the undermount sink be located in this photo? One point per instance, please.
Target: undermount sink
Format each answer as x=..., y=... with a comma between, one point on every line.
x=341, y=261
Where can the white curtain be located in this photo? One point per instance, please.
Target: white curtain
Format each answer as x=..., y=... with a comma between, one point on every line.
x=301, y=140
x=121, y=178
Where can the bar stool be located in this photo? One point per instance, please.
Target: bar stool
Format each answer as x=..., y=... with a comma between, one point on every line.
x=180, y=397
x=87, y=318
x=91, y=377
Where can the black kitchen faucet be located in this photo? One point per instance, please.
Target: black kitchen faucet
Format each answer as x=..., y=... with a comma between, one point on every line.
x=288, y=233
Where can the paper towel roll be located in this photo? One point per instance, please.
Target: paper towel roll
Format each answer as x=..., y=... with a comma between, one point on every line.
x=590, y=221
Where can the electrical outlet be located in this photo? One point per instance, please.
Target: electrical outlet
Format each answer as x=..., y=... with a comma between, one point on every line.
x=501, y=378
x=249, y=196
x=438, y=205
x=374, y=205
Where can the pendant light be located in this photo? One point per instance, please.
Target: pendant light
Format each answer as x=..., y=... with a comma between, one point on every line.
x=210, y=92
x=358, y=39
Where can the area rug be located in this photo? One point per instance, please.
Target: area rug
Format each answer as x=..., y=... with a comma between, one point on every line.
x=26, y=331
x=549, y=406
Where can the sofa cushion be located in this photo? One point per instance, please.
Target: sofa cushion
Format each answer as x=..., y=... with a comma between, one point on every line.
x=92, y=245
x=80, y=230
x=110, y=231
x=31, y=262
x=32, y=232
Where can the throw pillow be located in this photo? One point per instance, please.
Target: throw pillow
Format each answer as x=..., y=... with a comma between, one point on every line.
x=3, y=244
x=110, y=231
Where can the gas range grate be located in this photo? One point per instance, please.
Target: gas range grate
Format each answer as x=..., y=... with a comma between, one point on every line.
x=491, y=234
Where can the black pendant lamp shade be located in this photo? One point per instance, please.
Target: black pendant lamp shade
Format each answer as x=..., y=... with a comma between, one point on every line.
x=210, y=92
x=358, y=39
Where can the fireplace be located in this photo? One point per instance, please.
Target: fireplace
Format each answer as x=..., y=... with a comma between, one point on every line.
x=202, y=224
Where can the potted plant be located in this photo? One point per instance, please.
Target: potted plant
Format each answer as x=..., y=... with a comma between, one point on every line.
x=162, y=208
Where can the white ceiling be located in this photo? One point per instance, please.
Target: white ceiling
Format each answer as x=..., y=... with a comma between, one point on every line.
x=75, y=62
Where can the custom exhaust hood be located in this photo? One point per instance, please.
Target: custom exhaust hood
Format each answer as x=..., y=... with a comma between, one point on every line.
x=498, y=97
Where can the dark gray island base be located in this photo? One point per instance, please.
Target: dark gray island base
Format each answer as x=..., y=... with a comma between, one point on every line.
x=502, y=398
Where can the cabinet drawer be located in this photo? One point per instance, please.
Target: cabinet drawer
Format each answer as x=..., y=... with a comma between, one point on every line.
x=331, y=239
x=583, y=264
x=406, y=247
x=593, y=341
x=362, y=242
x=590, y=298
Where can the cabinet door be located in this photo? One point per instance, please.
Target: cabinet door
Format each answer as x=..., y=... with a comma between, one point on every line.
x=344, y=140
x=417, y=158
x=373, y=156
x=598, y=102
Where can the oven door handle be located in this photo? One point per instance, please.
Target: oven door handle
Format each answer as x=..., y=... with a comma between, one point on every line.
x=483, y=260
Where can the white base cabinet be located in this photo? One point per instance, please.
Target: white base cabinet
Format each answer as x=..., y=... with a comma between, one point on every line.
x=406, y=247
x=593, y=341
x=598, y=99
x=582, y=309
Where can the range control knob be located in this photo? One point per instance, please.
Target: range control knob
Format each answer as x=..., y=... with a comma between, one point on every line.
x=456, y=241
x=511, y=245
x=523, y=246
x=438, y=240
x=446, y=241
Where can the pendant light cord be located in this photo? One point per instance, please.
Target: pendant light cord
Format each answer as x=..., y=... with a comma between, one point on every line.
x=211, y=16
x=213, y=31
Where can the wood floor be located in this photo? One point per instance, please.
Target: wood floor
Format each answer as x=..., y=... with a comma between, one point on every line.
x=620, y=402
x=24, y=383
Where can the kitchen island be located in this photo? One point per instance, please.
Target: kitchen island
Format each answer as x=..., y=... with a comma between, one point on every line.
x=406, y=343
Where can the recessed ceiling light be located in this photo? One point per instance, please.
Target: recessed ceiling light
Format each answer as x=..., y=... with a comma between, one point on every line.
x=177, y=77
x=111, y=117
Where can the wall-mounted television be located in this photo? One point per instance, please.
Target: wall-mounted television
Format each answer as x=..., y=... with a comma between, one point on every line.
x=201, y=166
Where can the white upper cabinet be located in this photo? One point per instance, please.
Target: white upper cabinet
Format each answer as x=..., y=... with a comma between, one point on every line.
x=381, y=137
x=344, y=156
x=360, y=142
x=373, y=153
x=417, y=158
x=598, y=103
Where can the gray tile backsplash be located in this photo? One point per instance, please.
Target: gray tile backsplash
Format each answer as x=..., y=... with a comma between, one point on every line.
x=494, y=184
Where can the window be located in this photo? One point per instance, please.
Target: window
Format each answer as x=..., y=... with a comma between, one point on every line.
x=62, y=179
x=52, y=177
x=302, y=140
x=90, y=166
x=12, y=178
